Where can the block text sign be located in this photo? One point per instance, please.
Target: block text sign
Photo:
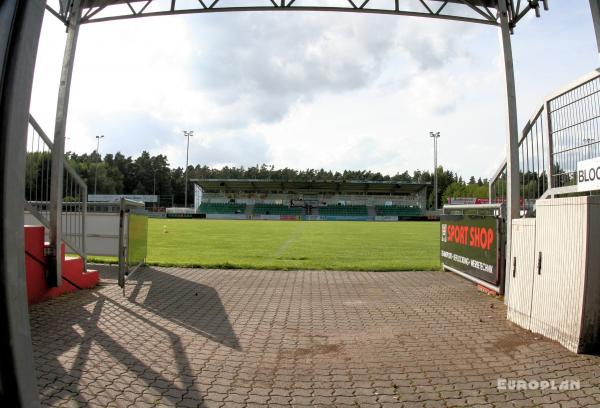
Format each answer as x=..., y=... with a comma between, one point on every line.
x=588, y=175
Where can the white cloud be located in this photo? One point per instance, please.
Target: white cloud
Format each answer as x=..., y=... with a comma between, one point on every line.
x=296, y=89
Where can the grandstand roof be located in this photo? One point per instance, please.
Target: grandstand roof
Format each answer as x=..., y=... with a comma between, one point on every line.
x=383, y=187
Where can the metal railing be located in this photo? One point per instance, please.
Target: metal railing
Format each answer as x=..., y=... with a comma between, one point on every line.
x=563, y=131
x=575, y=119
x=37, y=173
x=38, y=187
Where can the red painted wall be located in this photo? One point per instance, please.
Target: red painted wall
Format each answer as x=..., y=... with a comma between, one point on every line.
x=35, y=267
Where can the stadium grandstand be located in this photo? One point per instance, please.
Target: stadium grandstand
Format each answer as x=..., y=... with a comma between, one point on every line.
x=310, y=200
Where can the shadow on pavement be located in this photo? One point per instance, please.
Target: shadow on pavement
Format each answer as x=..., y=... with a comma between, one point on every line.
x=78, y=325
x=190, y=304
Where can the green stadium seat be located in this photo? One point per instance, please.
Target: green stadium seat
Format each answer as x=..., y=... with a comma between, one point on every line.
x=398, y=210
x=276, y=209
x=222, y=208
x=344, y=210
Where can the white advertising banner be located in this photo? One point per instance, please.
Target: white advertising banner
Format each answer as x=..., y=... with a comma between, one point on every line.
x=115, y=198
x=588, y=175
x=197, y=197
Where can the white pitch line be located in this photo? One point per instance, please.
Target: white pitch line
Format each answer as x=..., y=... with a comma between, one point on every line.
x=290, y=240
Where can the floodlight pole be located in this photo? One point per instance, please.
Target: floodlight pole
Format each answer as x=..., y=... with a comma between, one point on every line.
x=154, y=182
x=188, y=134
x=512, y=135
x=435, y=136
x=97, y=164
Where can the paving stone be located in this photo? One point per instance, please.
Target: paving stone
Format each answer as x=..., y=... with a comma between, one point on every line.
x=213, y=338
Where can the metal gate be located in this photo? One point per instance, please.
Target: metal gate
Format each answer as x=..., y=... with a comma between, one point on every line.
x=133, y=238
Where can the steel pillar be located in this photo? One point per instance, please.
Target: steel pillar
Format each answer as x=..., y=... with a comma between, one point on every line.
x=512, y=134
x=58, y=149
x=595, y=7
x=549, y=159
x=20, y=26
x=122, y=249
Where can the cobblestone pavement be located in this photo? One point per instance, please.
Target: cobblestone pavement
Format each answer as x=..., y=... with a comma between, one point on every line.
x=191, y=337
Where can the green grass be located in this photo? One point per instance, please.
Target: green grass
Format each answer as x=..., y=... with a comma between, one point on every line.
x=333, y=245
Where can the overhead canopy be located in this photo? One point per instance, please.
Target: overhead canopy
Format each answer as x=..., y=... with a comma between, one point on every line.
x=474, y=11
x=348, y=187
x=287, y=3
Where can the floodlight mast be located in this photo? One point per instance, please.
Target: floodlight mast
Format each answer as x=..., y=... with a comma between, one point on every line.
x=188, y=134
x=98, y=137
x=435, y=136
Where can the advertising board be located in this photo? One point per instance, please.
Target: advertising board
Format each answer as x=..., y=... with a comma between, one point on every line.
x=471, y=244
x=137, y=238
x=115, y=198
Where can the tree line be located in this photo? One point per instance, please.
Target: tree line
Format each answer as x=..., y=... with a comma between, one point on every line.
x=147, y=174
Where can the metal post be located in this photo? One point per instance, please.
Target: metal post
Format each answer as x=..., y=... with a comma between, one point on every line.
x=83, y=221
x=98, y=153
x=20, y=26
x=122, y=265
x=58, y=149
x=512, y=136
x=187, y=134
x=595, y=7
x=549, y=159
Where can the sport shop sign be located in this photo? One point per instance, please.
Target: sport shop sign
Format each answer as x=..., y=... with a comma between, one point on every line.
x=470, y=244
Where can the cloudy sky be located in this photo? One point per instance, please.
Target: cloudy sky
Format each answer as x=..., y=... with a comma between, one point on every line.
x=298, y=89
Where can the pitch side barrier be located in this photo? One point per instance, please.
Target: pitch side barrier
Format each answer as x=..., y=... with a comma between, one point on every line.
x=473, y=243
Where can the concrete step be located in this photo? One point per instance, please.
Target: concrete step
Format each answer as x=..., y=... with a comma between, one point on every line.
x=75, y=276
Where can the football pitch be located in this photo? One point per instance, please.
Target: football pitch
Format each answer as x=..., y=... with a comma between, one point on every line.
x=331, y=245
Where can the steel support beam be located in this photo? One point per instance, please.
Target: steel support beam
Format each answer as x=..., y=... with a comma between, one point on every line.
x=58, y=150
x=595, y=7
x=549, y=159
x=512, y=134
x=109, y=11
x=20, y=26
